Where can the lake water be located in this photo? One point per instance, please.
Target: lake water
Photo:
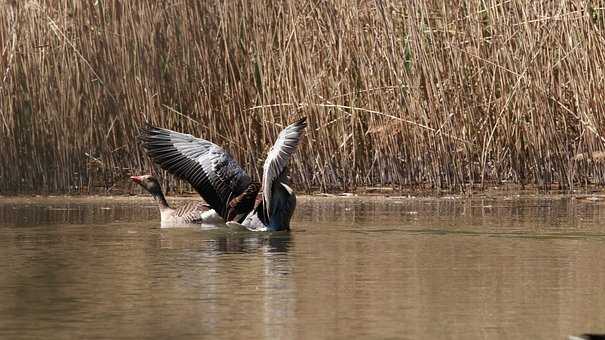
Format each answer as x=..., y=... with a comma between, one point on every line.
x=372, y=268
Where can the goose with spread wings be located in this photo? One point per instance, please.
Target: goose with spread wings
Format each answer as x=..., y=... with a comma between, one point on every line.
x=225, y=187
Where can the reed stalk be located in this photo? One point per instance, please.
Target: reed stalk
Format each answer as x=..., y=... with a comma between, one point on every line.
x=420, y=93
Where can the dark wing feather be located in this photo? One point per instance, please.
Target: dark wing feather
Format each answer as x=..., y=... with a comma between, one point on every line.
x=214, y=174
x=279, y=155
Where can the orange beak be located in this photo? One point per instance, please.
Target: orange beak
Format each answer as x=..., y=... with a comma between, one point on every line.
x=136, y=179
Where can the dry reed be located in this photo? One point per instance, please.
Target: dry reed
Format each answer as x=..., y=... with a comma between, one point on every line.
x=414, y=93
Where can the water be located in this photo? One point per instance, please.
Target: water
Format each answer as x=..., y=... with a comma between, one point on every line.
x=397, y=268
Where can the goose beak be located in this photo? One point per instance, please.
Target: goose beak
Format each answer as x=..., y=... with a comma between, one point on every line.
x=136, y=179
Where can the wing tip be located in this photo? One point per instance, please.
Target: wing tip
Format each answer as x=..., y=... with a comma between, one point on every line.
x=145, y=131
x=148, y=131
x=301, y=123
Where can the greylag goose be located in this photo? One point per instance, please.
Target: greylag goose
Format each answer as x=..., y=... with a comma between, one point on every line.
x=275, y=206
x=223, y=184
x=189, y=213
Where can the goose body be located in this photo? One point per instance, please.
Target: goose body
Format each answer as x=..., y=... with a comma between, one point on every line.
x=228, y=192
x=190, y=213
x=279, y=217
x=194, y=213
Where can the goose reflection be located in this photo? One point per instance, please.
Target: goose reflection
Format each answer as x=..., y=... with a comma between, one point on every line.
x=253, y=271
x=250, y=242
x=274, y=277
x=214, y=243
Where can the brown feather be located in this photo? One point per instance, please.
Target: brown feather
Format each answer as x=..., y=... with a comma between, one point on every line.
x=243, y=203
x=192, y=212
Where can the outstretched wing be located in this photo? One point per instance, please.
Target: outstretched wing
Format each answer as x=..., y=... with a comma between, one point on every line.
x=278, y=157
x=206, y=166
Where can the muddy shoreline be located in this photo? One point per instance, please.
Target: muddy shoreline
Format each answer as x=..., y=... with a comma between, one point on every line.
x=590, y=195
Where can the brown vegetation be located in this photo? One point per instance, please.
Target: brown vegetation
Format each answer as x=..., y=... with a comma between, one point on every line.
x=421, y=92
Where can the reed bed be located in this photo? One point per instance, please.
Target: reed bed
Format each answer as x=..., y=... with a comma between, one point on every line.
x=420, y=93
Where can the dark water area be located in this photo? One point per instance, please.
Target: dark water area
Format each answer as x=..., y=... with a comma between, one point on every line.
x=381, y=268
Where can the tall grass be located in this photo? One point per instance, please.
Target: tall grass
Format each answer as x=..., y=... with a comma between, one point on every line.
x=398, y=93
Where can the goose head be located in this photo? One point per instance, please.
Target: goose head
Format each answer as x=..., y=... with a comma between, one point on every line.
x=149, y=183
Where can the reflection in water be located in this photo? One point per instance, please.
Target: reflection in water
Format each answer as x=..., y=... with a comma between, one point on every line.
x=351, y=268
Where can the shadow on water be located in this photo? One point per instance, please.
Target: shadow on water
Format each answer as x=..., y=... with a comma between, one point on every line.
x=360, y=268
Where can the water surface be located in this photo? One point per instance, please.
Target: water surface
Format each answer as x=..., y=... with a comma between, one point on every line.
x=388, y=268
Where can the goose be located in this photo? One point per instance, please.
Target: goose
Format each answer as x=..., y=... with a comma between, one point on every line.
x=227, y=190
x=192, y=212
